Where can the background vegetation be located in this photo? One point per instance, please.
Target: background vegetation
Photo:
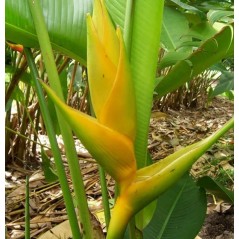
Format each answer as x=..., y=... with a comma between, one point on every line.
x=193, y=64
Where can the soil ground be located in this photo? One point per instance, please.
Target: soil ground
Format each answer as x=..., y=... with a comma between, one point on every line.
x=168, y=132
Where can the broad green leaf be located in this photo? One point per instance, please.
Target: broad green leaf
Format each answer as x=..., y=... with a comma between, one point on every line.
x=225, y=84
x=144, y=217
x=180, y=212
x=229, y=95
x=213, y=50
x=147, y=17
x=209, y=53
x=220, y=15
x=66, y=23
x=201, y=31
x=191, y=44
x=174, y=26
x=171, y=58
x=180, y=74
x=186, y=7
x=216, y=188
x=18, y=95
x=117, y=10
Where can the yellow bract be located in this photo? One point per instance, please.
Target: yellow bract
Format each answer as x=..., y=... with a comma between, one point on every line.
x=105, y=31
x=110, y=79
x=109, y=137
x=113, y=151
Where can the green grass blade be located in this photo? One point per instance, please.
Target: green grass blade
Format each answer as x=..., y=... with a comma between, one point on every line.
x=104, y=191
x=54, y=147
x=71, y=154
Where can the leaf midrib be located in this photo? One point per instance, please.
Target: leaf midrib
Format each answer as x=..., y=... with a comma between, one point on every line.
x=170, y=212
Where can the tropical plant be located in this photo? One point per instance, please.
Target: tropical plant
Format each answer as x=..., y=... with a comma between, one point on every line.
x=185, y=28
x=121, y=93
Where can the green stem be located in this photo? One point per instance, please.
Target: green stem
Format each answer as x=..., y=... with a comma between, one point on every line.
x=128, y=25
x=118, y=224
x=104, y=192
x=27, y=211
x=66, y=132
x=14, y=81
x=25, y=137
x=55, y=150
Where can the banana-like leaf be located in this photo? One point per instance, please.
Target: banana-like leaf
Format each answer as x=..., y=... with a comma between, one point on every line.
x=66, y=23
x=220, y=15
x=180, y=211
x=185, y=7
x=201, y=31
x=171, y=58
x=147, y=17
x=174, y=26
x=225, y=84
x=178, y=43
x=216, y=188
x=210, y=52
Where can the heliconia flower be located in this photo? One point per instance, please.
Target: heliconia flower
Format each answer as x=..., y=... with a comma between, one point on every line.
x=110, y=136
